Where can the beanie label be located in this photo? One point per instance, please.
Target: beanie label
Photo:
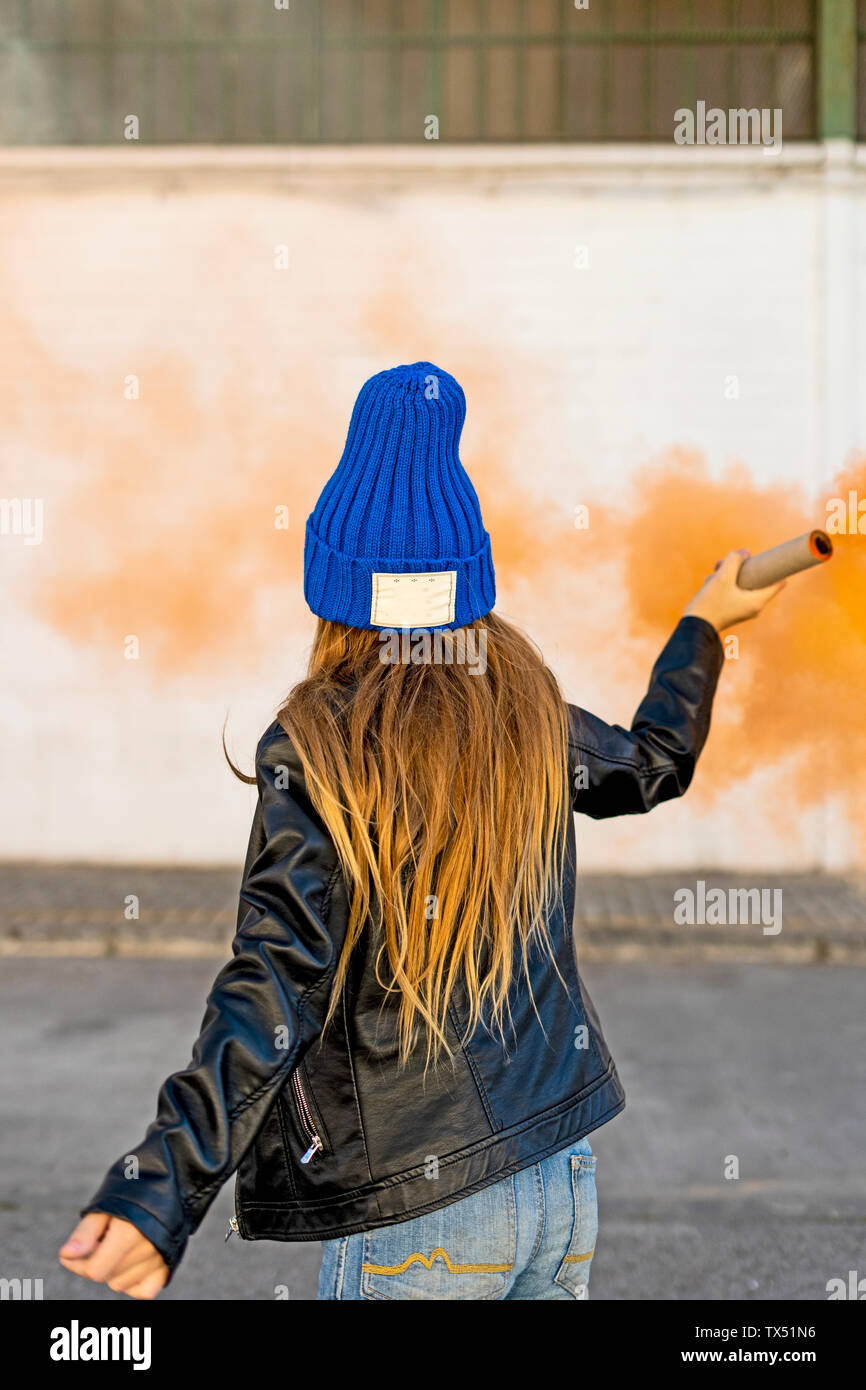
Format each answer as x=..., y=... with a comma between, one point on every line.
x=413, y=599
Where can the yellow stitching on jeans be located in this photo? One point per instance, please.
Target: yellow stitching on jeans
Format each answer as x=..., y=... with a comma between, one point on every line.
x=453, y=1269
x=578, y=1259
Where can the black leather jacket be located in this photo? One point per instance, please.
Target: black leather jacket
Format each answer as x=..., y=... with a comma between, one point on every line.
x=328, y=1135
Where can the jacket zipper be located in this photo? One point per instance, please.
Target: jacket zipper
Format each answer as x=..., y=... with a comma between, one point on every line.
x=307, y=1123
x=309, y=1128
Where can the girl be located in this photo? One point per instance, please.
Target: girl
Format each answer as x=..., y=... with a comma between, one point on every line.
x=401, y=1060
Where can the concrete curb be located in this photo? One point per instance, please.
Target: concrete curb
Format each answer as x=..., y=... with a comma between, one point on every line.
x=80, y=910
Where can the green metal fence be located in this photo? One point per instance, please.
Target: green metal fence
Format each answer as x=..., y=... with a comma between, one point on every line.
x=350, y=71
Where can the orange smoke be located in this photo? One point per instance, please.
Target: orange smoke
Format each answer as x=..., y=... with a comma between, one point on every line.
x=793, y=698
x=166, y=530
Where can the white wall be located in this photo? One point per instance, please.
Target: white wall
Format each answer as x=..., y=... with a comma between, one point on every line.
x=702, y=264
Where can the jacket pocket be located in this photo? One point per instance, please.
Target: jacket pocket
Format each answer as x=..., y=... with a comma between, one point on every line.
x=307, y=1117
x=465, y=1250
x=573, y=1272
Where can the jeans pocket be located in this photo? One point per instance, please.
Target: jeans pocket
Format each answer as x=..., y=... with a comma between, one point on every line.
x=465, y=1250
x=573, y=1272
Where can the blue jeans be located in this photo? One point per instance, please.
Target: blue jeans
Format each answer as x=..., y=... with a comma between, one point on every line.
x=532, y=1235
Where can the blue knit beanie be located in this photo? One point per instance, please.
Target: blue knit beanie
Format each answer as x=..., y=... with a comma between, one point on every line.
x=396, y=539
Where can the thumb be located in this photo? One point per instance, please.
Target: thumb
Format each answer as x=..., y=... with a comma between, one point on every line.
x=735, y=558
x=729, y=566
x=86, y=1236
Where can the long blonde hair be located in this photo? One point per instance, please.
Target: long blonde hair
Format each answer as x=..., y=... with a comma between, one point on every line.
x=443, y=788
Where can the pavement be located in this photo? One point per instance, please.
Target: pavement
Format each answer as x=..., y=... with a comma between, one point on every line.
x=157, y=911
x=761, y=1061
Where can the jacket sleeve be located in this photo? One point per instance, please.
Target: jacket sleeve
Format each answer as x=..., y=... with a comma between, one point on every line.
x=265, y=1008
x=619, y=772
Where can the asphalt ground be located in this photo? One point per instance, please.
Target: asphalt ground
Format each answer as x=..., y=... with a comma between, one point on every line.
x=761, y=1061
